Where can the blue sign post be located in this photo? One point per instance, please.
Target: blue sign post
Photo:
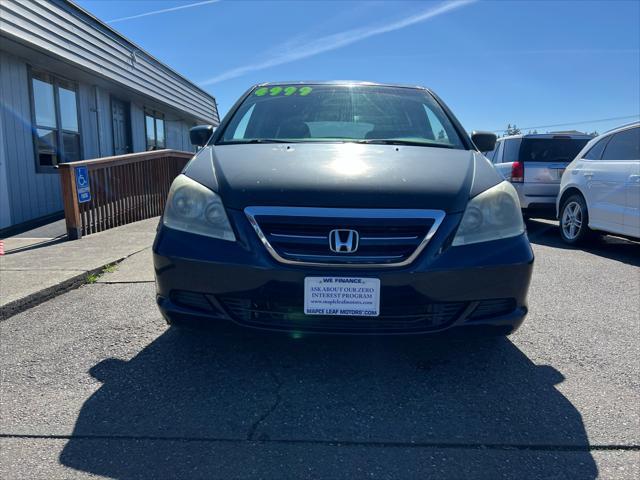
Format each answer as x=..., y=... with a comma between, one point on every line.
x=82, y=184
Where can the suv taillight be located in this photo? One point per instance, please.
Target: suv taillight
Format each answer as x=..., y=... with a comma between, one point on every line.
x=517, y=172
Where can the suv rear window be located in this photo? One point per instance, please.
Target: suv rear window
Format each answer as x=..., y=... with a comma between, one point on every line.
x=550, y=149
x=351, y=113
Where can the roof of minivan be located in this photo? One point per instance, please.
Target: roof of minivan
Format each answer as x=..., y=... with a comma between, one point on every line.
x=341, y=82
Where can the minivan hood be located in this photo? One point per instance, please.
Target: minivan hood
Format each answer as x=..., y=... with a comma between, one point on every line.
x=346, y=175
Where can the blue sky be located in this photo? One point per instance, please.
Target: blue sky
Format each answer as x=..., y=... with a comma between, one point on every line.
x=533, y=63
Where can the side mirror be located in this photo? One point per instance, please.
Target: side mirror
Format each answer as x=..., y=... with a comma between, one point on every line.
x=484, y=141
x=201, y=134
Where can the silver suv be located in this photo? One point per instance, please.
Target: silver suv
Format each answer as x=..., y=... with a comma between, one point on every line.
x=534, y=164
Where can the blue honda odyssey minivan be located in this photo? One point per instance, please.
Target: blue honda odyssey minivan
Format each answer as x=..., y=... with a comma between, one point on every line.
x=342, y=207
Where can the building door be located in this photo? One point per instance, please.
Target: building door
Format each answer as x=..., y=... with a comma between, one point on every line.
x=121, y=127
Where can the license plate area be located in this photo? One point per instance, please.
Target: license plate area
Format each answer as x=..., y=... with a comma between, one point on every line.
x=342, y=296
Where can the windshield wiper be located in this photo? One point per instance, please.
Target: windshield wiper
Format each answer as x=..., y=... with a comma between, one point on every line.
x=258, y=140
x=413, y=143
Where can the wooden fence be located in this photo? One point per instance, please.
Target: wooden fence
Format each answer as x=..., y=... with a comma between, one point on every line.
x=121, y=189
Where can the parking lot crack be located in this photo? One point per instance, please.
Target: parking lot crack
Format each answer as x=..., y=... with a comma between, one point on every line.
x=277, y=399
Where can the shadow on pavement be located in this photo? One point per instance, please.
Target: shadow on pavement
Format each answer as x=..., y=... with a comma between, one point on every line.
x=34, y=245
x=250, y=405
x=613, y=248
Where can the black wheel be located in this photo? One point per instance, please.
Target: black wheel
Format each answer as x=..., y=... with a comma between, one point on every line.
x=574, y=220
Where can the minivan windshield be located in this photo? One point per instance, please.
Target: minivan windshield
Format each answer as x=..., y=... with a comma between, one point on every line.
x=341, y=113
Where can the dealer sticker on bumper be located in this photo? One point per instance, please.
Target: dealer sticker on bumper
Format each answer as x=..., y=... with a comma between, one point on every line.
x=342, y=296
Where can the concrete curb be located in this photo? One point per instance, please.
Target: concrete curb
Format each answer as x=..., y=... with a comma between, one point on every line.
x=41, y=296
x=64, y=266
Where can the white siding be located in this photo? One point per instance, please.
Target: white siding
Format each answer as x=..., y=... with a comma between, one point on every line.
x=57, y=37
x=65, y=31
x=31, y=194
x=5, y=211
x=26, y=194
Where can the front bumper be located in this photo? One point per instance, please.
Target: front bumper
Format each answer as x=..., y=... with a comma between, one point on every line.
x=200, y=280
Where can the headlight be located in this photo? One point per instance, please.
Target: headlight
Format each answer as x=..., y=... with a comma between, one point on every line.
x=492, y=215
x=194, y=208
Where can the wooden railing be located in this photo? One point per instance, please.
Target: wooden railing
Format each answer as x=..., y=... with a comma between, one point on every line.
x=121, y=189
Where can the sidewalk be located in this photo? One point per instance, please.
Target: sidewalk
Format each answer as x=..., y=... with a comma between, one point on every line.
x=36, y=269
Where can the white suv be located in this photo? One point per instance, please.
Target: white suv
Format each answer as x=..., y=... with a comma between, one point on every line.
x=600, y=189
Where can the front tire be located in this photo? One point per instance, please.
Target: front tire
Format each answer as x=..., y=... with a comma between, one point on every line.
x=574, y=220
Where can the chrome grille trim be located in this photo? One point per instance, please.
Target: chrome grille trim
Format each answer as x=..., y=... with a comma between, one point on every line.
x=437, y=216
x=350, y=257
x=380, y=239
x=282, y=235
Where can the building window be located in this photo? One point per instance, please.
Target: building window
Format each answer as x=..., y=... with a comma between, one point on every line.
x=154, y=128
x=55, y=120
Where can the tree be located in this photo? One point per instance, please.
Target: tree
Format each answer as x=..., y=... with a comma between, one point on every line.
x=512, y=130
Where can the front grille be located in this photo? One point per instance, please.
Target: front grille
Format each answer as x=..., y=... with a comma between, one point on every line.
x=401, y=312
x=302, y=235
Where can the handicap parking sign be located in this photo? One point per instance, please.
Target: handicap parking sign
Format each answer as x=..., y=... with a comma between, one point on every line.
x=82, y=184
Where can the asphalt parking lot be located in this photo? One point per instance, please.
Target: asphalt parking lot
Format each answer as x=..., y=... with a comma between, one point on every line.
x=95, y=385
